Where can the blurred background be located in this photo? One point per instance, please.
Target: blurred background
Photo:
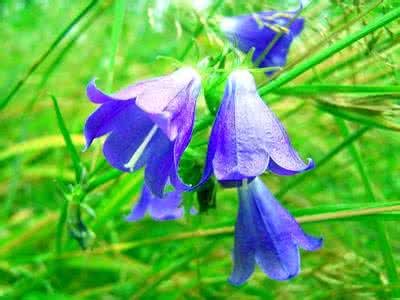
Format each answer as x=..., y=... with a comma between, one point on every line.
x=63, y=237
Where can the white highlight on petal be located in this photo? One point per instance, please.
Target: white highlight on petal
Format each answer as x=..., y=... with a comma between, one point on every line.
x=228, y=25
x=135, y=157
x=186, y=73
x=244, y=79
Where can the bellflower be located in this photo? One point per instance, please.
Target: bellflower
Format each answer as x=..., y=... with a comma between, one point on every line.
x=267, y=235
x=160, y=209
x=148, y=124
x=247, y=138
x=258, y=30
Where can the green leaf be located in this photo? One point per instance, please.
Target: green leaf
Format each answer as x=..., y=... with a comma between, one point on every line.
x=68, y=141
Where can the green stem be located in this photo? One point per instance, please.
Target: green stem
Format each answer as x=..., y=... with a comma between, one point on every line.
x=199, y=29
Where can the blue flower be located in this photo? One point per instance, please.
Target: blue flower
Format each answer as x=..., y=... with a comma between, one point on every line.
x=258, y=30
x=247, y=138
x=160, y=209
x=148, y=124
x=267, y=235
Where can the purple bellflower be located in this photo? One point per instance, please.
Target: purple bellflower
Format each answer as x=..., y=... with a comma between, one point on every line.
x=160, y=209
x=247, y=138
x=267, y=235
x=148, y=124
x=258, y=30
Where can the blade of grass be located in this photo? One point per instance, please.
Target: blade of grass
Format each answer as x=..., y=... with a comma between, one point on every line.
x=383, y=239
x=330, y=36
x=333, y=215
x=102, y=179
x=68, y=141
x=128, y=188
x=119, y=15
x=343, y=145
x=39, y=144
x=366, y=118
x=44, y=56
x=60, y=58
x=330, y=51
x=318, y=89
x=61, y=226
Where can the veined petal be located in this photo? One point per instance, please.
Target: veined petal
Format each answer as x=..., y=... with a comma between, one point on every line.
x=277, y=254
x=259, y=30
x=277, y=215
x=272, y=236
x=149, y=123
x=245, y=242
x=279, y=235
x=238, y=134
x=170, y=100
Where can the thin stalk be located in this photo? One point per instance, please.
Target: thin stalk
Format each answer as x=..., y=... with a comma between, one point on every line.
x=330, y=51
x=199, y=29
x=383, y=240
x=356, y=135
x=228, y=230
x=44, y=56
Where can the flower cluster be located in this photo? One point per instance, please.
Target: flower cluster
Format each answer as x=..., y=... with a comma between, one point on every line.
x=149, y=124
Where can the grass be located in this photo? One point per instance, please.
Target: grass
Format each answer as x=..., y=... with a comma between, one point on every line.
x=62, y=228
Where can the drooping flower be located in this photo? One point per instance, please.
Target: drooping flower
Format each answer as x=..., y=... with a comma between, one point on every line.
x=149, y=124
x=258, y=30
x=267, y=235
x=247, y=138
x=160, y=209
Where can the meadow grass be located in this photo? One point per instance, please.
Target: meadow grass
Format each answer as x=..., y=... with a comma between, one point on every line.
x=62, y=232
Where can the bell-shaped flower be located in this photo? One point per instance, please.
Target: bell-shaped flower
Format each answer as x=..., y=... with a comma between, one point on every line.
x=247, y=138
x=267, y=235
x=258, y=30
x=148, y=124
x=160, y=209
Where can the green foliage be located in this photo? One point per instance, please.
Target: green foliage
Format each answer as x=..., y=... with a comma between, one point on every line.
x=62, y=228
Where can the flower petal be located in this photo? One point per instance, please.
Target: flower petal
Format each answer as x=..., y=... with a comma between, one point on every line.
x=238, y=132
x=279, y=235
x=133, y=127
x=159, y=165
x=244, y=250
x=168, y=207
x=139, y=210
x=276, y=253
x=104, y=119
x=259, y=30
x=129, y=93
x=169, y=97
x=150, y=123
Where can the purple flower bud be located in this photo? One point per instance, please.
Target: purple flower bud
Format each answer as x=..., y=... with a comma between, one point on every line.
x=148, y=124
x=258, y=30
x=247, y=138
x=266, y=234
